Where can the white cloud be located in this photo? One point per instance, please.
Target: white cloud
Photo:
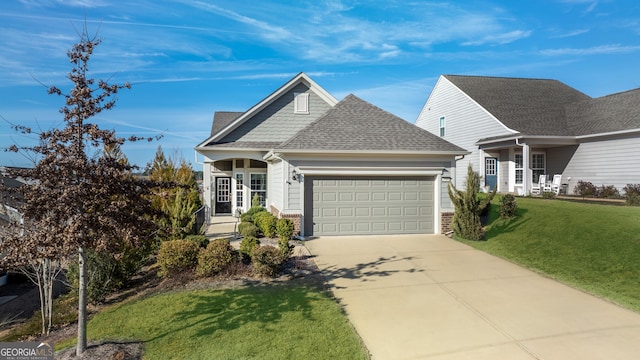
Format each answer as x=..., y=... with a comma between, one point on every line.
x=570, y=33
x=500, y=38
x=596, y=50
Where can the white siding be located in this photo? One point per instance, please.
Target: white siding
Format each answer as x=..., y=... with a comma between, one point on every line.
x=465, y=123
x=608, y=162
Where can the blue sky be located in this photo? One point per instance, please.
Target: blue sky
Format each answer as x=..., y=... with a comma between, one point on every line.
x=186, y=59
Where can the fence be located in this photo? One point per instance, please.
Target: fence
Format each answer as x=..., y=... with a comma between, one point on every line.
x=202, y=219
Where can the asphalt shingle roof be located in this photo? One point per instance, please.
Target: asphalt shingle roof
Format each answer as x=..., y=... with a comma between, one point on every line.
x=531, y=106
x=616, y=112
x=223, y=118
x=354, y=124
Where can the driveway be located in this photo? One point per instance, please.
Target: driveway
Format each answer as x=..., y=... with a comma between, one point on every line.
x=430, y=297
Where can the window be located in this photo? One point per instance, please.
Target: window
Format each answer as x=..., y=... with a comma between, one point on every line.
x=257, y=164
x=222, y=165
x=537, y=166
x=441, y=126
x=519, y=168
x=259, y=187
x=490, y=166
x=239, y=190
x=239, y=163
x=223, y=190
x=300, y=103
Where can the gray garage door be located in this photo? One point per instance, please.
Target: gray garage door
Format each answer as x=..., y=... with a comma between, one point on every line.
x=354, y=206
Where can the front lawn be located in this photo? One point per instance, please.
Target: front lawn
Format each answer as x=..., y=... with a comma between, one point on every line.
x=590, y=246
x=271, y=321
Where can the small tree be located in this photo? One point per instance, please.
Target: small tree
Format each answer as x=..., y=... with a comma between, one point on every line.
x=468, y=207
x=77, y=196
x=177, y=198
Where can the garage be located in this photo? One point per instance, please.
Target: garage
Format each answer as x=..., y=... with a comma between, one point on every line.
x=371, y=205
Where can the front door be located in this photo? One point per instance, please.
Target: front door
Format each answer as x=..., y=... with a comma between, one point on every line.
x=223, y=195
x=491, y=172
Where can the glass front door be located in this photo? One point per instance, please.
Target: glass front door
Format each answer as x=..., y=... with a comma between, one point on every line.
x=223, y=195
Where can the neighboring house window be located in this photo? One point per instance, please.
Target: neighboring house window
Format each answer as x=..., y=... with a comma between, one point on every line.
x=519, y=168
x=301, y=103
x=259, y=187
x=537, y=166
x=239, y=190
x=441, y=126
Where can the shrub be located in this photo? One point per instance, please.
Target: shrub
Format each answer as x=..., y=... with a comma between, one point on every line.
x=248, y=245
x=255, y=209
x=109, y=271
x=201, y=240
x=100, y=268
x=216, y=258
x=585, y=188
x=608, y=192
x=548, y=195
x=632, y=194
x=508, y=206
x=248, y=229
x=266, y=261
x=266, y=222
x=176, y=256
x=468, y=207
x=285, y=229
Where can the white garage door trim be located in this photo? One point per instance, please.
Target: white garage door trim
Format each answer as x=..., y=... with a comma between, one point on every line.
x=368, y=205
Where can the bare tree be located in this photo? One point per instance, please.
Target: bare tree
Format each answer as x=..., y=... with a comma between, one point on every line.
x=79, y=196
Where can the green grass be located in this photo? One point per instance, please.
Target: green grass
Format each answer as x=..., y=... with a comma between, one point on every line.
x=590, y=246
x=285, y=321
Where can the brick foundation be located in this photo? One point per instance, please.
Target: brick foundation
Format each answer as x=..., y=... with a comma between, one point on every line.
x=446, y=218
x=293, y=217
x=296, y=221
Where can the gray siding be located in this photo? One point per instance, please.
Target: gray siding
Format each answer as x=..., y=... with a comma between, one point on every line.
x=503, y=171
x=277, y=122
x=607, y=162
x=295, y=197
x=465, y=123
x=275, y=184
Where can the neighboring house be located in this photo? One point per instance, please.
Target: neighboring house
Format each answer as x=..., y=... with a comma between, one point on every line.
x=10, y=200
x=518, y=129
x=334, y=167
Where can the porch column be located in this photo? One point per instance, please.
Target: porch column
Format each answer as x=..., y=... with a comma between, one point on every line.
x=206, y=184
x=526, y=184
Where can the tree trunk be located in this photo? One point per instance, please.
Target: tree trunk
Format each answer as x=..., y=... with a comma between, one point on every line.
x=82, y=303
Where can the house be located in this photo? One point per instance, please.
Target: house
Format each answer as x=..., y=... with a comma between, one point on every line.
x=333, y=167
x=10, y=199
x=518, y=129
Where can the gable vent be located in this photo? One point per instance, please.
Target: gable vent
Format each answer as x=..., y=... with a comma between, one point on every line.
x=301, y=103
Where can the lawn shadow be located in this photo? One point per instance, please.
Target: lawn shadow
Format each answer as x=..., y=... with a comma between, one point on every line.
x=209, y=311
x=499, y=226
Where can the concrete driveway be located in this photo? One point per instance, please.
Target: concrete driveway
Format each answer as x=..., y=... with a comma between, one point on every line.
x=430, y=297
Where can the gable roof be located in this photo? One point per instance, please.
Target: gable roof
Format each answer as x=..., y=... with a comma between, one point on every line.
x=299, y=78
x=221, y=119
x=356, y=125
x=530, y=106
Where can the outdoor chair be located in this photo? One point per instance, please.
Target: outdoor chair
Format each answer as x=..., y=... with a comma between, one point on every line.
x=556, y=184
x=539, y=187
